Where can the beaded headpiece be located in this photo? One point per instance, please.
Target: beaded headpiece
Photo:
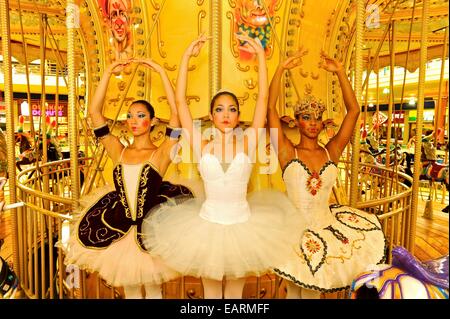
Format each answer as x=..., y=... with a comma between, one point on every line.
x=310, y=104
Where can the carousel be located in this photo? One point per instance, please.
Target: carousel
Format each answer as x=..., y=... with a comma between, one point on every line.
x=53, y=159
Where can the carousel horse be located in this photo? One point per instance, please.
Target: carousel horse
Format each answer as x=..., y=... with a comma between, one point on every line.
x=8, y=279
x=3, y=156
x=405, y=278
x=26, y=156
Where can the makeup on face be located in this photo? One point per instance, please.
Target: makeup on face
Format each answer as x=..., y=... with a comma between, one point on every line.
x=225, y=113
x=138, y=119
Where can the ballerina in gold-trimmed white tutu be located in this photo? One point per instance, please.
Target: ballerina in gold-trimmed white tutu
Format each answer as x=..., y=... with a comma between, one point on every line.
x=227, y=234
x=339, y=241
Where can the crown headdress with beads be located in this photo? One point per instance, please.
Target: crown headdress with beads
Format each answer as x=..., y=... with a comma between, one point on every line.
x=310, y=104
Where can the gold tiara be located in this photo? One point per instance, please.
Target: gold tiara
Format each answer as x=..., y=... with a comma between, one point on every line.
x=310, y=104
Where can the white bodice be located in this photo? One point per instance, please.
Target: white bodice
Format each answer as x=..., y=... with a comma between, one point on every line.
x=225, y=191
x=131, y=173
x=300, y=182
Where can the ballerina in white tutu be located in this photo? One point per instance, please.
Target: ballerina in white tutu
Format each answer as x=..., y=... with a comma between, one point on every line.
x=106, y=235
x=227, y=234
x=340, y=241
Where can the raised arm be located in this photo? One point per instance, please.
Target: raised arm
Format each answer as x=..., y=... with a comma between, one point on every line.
x=259, y=116
x=180, y=91
x=281, y=142
x=110, y=142
x=165, y=149
x=170, y=94
x=337, y=144
x=168, y=88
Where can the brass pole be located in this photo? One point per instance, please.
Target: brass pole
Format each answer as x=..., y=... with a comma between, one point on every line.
x=420, y=106
x=380, y=44
x=439, y=108
x=377, y=111
x=73, y=18
x=10, y=141
x=360, y=11
x=43, y=126
x=27, y=73
x=215, y=55
x=391, y=107
x=56, y=106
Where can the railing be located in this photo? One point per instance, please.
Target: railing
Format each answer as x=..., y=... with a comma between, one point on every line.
x=382, y=191
x=44, y=219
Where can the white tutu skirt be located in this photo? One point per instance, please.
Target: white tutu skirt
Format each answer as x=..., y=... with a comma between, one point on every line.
x=330, y=257
x=197, y=247
x=123, y=263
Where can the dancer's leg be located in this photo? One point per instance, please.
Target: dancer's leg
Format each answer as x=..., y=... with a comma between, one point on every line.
x=234, y=288
x=293, y=291
x=153, y=291
x=212, y=289
x=133, y=292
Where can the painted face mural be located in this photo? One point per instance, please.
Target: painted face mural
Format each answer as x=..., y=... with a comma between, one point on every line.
x=116, y=14
x=253, y=20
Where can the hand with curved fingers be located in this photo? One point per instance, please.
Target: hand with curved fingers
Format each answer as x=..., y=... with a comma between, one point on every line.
x=253, y=44
x=329, y=124
x=330, y=64
x=294, y=60
x=118, y=66
x=149, y=63
x=196, y=45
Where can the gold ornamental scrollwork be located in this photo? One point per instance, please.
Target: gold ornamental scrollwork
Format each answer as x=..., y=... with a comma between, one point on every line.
x=201, y=16
x=232, y=3
x=244, y=98
x=188, y=98
x=155, y=5
x=278, y=5
x=233, y=41
x=250, y=84
x=192, y=97
x=303, y=73
x=158, y=33
x=170, y=68
x=162, y=98
x=276, y=20
x=158, y=136
x=240, y=68
x=200, y=2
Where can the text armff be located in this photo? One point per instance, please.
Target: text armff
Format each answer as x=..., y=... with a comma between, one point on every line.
x=229, y=308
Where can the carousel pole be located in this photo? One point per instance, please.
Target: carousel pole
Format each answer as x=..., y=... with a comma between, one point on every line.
x=215, y=56
x=56, y=106
x=10, y=144
x=377, y=97
x=438, y=116
x=360, y=10
x=73, y=19
x=42, y=136
x=410, y=243
x=391, y=107
x=27, y=72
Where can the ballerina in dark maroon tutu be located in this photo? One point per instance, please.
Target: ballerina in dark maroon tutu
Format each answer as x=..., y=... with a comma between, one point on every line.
x=107, y=233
